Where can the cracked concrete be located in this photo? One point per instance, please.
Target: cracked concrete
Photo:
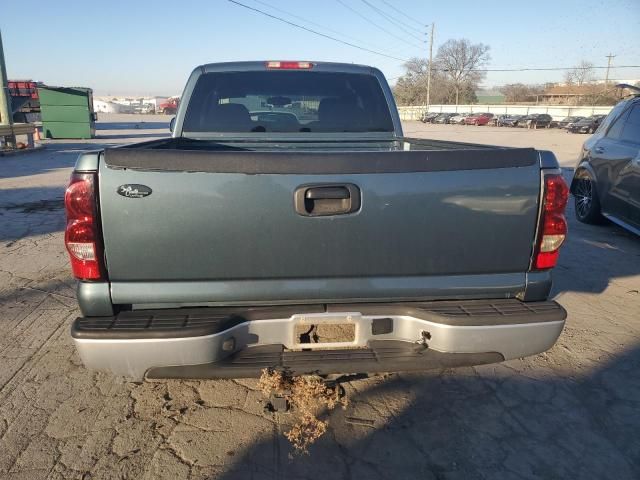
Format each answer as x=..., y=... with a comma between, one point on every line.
x=572, y=412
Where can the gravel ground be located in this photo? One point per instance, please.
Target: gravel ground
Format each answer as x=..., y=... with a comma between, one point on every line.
x=572, y=412
x=565, y=145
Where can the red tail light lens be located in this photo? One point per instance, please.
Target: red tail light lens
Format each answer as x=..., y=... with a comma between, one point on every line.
x=81, y=235
x=553, y=224
x=275, y=64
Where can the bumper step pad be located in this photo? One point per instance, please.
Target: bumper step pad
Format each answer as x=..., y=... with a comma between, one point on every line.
x=380, y=356
x=195, y=322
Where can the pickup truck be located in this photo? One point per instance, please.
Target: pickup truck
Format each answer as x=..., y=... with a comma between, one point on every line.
x=289, y=224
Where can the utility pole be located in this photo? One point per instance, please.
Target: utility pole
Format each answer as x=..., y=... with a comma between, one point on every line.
x=429, y=67
x=6, y=118
x=5, y=99
x=606, y=79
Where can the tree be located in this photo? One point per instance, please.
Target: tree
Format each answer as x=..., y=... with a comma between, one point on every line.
x=453, y=77
x=519, y=92
x=411, y=88
x=581, y=74
x=460, y=60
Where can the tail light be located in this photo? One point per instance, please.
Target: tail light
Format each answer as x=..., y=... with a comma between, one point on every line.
x=278, y=65
x=81, y=236
x=553, y=225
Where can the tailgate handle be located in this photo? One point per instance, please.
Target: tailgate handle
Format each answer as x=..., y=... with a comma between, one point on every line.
x=326, y=199
x=327, y=193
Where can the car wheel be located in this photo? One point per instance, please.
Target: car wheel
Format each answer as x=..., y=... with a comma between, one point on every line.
x=586, y=199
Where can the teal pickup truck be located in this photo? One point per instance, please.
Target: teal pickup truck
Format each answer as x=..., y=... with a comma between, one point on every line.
x=289, y=224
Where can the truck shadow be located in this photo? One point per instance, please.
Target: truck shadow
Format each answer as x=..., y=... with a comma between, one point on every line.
x=512, y=420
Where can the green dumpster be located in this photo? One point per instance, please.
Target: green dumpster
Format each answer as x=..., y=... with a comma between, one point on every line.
x=67, y=112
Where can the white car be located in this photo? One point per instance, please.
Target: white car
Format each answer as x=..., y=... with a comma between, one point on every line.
x=459, y=118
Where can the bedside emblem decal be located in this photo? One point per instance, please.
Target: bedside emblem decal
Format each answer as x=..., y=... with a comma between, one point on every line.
x=134, y=191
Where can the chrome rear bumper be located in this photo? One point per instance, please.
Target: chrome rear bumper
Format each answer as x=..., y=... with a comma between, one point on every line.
x=480, y=331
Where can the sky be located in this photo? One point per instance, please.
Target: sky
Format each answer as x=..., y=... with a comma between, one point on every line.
x=149, y=48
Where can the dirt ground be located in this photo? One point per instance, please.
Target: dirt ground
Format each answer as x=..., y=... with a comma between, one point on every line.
x=572, y=412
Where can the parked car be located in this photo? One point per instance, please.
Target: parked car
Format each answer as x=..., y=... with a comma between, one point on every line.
x=428, y=117
x=587, y=125
x=511, y=120
x=443, y=118
x=496, y=119
x=478, y=119
x=567, y=122
x=459, y=118
x=535, y=120
x=423, y=261
x=144, y=108
x=606, y=183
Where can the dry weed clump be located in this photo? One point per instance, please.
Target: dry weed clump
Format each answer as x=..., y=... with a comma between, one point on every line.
x=307, y=396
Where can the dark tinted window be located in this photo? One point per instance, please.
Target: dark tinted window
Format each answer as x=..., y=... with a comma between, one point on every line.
x=616, y=129
x=631, y=128
x=613, y=114
x=287, y=101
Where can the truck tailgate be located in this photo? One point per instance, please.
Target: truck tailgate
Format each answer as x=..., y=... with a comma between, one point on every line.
x=223, y=225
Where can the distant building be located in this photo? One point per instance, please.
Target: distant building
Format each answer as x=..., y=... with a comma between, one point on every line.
x=489, y=97
x=577, y=94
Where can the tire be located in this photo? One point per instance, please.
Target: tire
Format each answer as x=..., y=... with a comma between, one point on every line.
x=586, y=201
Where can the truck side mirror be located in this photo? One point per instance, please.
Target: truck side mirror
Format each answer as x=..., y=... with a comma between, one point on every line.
x=172, y=124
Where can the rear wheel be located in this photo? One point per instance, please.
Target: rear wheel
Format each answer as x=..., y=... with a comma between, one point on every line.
x=586, y=199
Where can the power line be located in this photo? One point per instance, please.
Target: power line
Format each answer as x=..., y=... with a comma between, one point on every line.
x=534, y=69
x=399, y=24
x=273, y=7
x=541, y=69
x=316, y=32
x=368, y=20
x=523, y=69
x=392, y=7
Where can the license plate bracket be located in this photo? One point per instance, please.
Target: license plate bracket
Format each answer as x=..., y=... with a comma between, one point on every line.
x=326, y=330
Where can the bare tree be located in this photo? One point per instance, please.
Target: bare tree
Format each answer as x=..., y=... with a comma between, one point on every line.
x=581, y=74
x=459, y=61
x=411, y=88
x=519, y=92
